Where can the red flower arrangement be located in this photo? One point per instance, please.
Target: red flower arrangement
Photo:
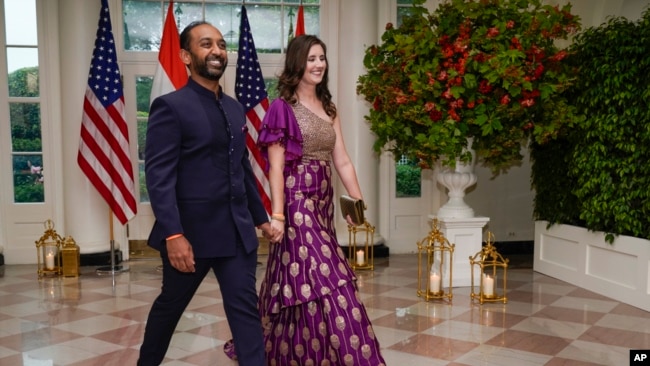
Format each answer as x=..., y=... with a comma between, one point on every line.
x=486, y=69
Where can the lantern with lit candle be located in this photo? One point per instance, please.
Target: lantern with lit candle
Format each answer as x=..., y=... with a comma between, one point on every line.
x=490, y=270
x=48, y=251
x=361, y=256
x=435, y=259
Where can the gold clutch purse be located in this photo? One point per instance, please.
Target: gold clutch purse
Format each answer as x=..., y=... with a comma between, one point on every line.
x=354, y=208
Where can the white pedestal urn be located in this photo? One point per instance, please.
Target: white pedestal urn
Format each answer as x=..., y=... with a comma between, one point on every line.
x=467, y=236
x=457, y=180
x=457, y=220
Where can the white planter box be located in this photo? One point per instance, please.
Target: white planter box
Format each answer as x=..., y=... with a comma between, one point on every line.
x=583, y=258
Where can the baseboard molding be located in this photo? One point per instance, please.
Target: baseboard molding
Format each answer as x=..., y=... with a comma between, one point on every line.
x=505, y=248
x=379, y=250
x=100, y=259
x=515, y=247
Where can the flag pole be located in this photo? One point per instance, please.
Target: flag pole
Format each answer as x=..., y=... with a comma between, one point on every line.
x=112, y=269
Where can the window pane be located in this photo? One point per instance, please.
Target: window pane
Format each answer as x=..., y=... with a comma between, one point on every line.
x=403, y=8
x=20, y=22
x=401, y=13
x=142, y=181
x=28, y=178
x=312, y=20
x=25, y=121
x=311, y=17
x=407, y=179
x=142, y=135
x=143, y=23
x=271, y=88
x=186, y=13
x=266, y=26
x=24, y=117
x=264, y=21
x=226, y=19
x=143, y=91
x=23, y=71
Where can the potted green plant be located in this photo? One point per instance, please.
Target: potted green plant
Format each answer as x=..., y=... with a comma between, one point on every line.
x=591, y=184
x=597, y=174
x=487, y=70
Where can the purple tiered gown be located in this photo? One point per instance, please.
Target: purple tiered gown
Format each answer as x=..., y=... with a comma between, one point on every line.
x=310, y=307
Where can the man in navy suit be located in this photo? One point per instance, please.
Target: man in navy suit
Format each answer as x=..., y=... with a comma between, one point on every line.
x=205, y=200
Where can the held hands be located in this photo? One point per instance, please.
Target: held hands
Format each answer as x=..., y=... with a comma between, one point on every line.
x=278, y=230
x=273, y=231
x=180, y=254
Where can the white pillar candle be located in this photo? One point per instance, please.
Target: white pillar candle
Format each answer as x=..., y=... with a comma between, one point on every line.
x=434, y=282
x=488, y=285
x=49, y=261
x=360, y=259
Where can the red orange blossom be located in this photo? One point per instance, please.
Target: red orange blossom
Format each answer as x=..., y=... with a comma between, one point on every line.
x=487, y=69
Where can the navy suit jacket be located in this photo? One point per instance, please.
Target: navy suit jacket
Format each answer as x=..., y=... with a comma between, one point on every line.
x=198, y=175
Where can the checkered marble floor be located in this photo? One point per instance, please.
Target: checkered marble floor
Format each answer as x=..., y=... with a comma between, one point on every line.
x=99, y=320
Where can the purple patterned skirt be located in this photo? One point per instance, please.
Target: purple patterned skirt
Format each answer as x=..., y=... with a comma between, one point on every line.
x=309, y=304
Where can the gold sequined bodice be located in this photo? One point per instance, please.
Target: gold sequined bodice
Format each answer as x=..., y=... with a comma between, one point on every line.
x=318, y=135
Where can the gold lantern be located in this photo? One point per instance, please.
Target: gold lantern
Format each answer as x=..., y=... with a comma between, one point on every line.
x=70, y=257
x=361, y=256
x=48, y=251
x=492, y=272
x=435, y=260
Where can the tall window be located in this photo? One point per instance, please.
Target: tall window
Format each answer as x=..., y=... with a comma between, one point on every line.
x=272, y=25
x=23, y=102
x=272, y=21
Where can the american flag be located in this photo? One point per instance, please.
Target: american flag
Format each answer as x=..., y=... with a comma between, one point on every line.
x=104, y=146
x=251, y=92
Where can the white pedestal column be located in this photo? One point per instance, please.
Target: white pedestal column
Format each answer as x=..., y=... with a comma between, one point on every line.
x=357, y=28
x=467, y=236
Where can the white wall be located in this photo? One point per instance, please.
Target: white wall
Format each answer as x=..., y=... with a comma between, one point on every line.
x=506, y=199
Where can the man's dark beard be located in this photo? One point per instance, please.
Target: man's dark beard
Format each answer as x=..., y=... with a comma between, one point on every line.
x=201, y=66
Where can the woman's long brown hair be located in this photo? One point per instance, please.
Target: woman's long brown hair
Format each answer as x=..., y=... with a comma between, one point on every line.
x=294, y=68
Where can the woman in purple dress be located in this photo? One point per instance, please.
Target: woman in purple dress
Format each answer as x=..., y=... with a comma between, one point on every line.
x=310, y=308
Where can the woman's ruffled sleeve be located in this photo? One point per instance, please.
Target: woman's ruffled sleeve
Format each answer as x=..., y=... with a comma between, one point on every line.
x=280, y=126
